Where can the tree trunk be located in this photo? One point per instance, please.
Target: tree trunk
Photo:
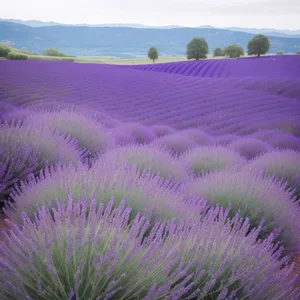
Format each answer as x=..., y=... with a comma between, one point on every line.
x=258, y=55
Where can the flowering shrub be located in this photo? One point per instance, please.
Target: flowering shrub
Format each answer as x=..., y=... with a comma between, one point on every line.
x=198, y=136
x=249, y=147
x=176, y=143
x=278, y=139
x=28, y=149
x=205, y=159
x=150, y=158
x=64, y=255
x=144, y=192
x=90, y=134
x=141, y=133
x=284, y=164
x=162, y=130
x=256, y=197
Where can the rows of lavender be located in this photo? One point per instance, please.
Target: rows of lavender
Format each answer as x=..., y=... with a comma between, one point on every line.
x=119, y=183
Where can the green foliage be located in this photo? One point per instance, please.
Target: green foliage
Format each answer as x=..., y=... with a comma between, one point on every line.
x=280, y=52
x=298, y=52
x=218, y=52
x=25, y=50
x=233, y=51
x=4, y=52
x=153, y=53
x=53, y=52
x=260, y=44
x=197, y=48
x=17, y=56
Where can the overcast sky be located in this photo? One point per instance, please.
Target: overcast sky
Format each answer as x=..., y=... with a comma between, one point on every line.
x=279, y=14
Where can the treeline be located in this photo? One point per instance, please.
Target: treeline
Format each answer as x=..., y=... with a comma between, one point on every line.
x=197, y=49
x=23, y=54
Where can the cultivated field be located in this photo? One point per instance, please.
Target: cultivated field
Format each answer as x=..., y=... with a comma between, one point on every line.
x=177, y=180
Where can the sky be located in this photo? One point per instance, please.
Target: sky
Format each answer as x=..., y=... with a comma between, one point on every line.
x=279, y=14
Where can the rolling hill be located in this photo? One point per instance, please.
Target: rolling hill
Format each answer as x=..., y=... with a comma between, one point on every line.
x=127, y=42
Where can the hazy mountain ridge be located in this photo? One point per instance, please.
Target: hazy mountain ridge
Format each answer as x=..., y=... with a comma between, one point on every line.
x=127, y=41
x=269, y=31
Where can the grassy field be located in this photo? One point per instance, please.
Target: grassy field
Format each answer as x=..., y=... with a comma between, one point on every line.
x=106, y=59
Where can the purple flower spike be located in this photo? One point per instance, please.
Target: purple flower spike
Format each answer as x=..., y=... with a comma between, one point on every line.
x=212, y=259
x=256, y=197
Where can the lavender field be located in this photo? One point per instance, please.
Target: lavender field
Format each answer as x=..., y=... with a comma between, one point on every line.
x=166, y=181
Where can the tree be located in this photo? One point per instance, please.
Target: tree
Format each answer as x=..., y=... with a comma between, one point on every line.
x=233, y=51
x=197, y=48
x=218, y=52
x=298, y=52
x=53, y=52
x=259, y=45
x=153, y=53
x=280, y=52
x=4, y=51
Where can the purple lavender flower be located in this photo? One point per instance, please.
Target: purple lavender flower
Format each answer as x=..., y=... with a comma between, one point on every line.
x=249, y=147
x=176, y=143
x=256, y=197
x=28, y=149
x=205, y=159
x=278, y=139
x=141, y=133
x=284, y=164
x=198, y=136
x=90, y=134
x=156, y=160
x=162, y=130
x=114, y=260
x=143, y=191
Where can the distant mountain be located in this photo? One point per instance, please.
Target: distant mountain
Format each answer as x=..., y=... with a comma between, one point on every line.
x=36, y=23
x=126, y=41
x=31, y=23
x=267, y=31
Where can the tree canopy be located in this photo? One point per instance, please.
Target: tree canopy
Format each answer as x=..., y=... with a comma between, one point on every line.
x=259, y=45
x=153, y=53
x=53, y=52
x=233, y=51
x=197, y=48
x=218, y=52
x=280, y=52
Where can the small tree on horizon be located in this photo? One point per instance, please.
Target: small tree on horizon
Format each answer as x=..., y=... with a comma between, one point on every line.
x=233, y=51
x=197, y=48
x=298, y=52
x=153, y=54
x=280, y=52
x=259, y=45
x=53, y=52
x=218, y=52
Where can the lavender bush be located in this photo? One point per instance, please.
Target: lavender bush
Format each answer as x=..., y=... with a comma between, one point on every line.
x=249, y=147
x=162, y=130
x=28, y=149
x=198, y=136
x=144, y=191
x=150, y=158
x=64, y=255
x=205, y=159
x=278, y=139
x=176, y=143
x=284, y=164
x=256, y=197
x=91, y=136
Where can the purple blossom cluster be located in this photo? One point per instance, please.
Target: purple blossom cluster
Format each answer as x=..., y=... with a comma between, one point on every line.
x=104, y=256
x=171, y=181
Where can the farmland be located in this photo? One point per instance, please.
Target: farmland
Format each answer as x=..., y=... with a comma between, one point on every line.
x=177, y=180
